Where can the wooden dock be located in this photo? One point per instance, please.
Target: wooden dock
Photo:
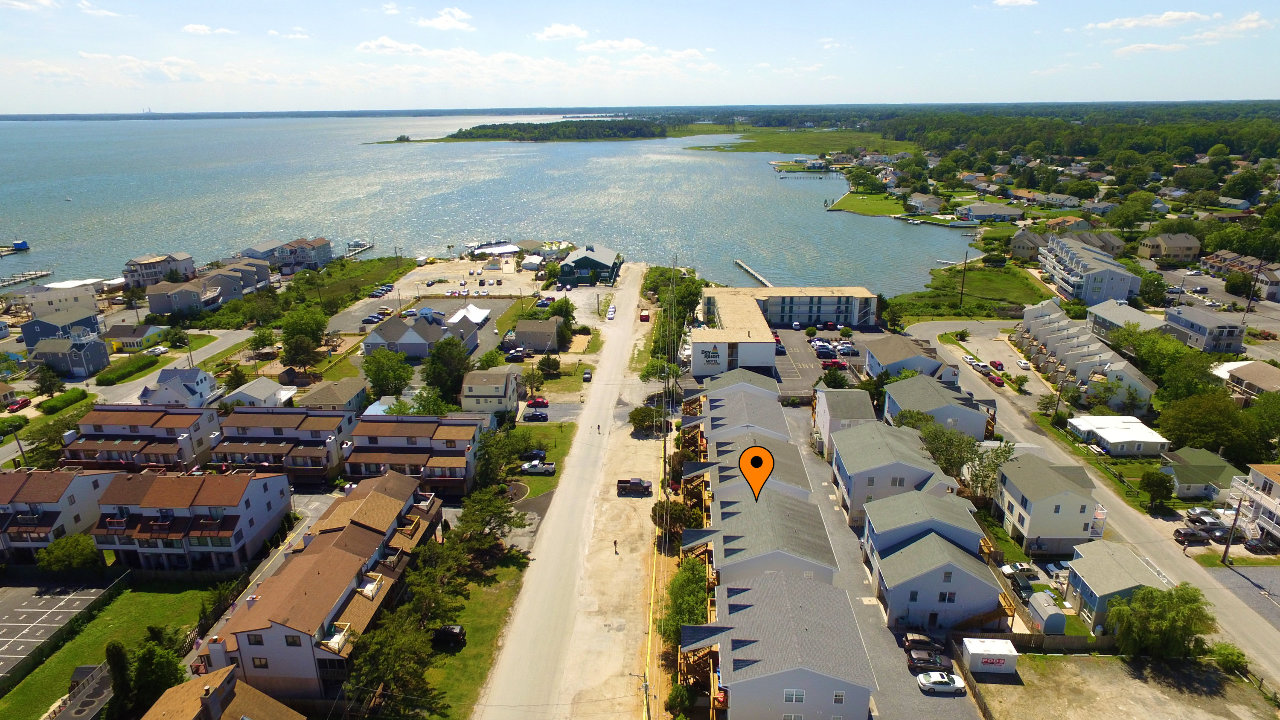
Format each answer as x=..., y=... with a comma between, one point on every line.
x=24, y=277
x=755, y=275
x=356, y=251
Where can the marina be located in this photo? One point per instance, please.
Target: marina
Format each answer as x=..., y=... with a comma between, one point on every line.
x=24, y=277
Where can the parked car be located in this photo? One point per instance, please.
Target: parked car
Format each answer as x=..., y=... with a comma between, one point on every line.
x=515, y=357
x=1058, y=567
x=933, y=683
x=538, y=467
x=997, y=365
x=996, y=380
x=917, y=641
x=1202, y=512
x=371, y=320
x=539, y=402
x=586, y=376
x=1220, y=535
x=1204, y=522
x=924, y=661
x=1022, y=587
x=18, y=404
x=835, y=365
x=1194, y=273
x=1024, y=365
x=1019, y=568
x=534, y=454
x=982, y=367
x=158, y=350
x=449, y=636
x=779, y=349
x=830, y=326
x=637, y=487
x=795, y=326
x=1175, y=290
x=1262, y=545
x=825, y=354
x=1200, y=289
x=970, y=360
x=1190, y=536
x=535, y=416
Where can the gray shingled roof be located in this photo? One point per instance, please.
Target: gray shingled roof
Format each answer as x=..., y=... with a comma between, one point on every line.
x=737, y=408
x=739, y=375
x=1108, y=567
x=850, y=404
x=1118, y=314
x=337, y=392
x=1036, y=479
x=924, y=393
x=777, y=622
x=872, y=445
x=788, y=466
x=930, y=552
x=911, y=508
x=746, y=529
x=894, y=348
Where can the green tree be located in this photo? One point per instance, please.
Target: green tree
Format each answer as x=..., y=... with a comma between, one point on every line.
x=1189, y=375
x=673, y=516
x=1265, y=411
x=1046, y=403
x=549, y=365
x=1019, y=383
x=1158, y=485
x=155, y=669
x=308, y=322
x=236, y=377
x=395, y=657
x=487, y=517
x=962, y=334
x=984, y=469
x=446, y=366
x=173, y=276
x=489, y=360
x=917, y=419
x=262, y=338
x=133, y=296
x=1229, y=658
x=533, y=379
x=69, y=553
x=1127, y=216
x=300, y=351
x=1244, y=185
x=563, y=308
x=389, y=372
x=428, y=401
x=48, y=382
x=437, y=584
x=175, y=337
x=950, y=448
x=1101, y=392
x=1219, y=150
x=1152, y=288
x=1212, y=421
x=1161, y=624
x=686, y=598
x=834, y=379
x=1238, y=283
x=121, y=704
x=646, y=419
x=811, y=331
x=659, y=369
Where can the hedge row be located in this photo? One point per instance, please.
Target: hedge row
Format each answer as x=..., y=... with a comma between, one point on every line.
x=12, y=424
x=58, y=403
x=122, y=369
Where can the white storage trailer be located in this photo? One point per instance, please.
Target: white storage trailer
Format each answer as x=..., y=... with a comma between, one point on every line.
x=986, y=655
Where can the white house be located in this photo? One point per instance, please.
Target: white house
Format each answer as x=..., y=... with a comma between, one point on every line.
x=1048, y=509
x=1198, y=473
x=40, y=506
x=934, y=583
x=261, y=392
x=1118, y=435
x=780, y=645
x=875, y=460
x=187, y=387
x=491, y=391
x=835, y=410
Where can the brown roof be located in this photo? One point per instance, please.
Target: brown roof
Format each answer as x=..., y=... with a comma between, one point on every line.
x=308, y=451
x=222, y=490
x=256, y=419
x=455, y=432
x=447, y=461
x=356, y=540
x=377, y=512
x=395, y=428
x=182, y=702
x=322, y=422
x=127, y=489
x=397, y=485
x=336, y=517
x=301, y=594
x=389, y=456
x=44, y=486
x=1271, y=472
x=1264, y=376
x=6, y=388
x=113, y=444
x=172, y=491
x=160, y=448
x=10, y=484
x=177, y=420
x=121, y=417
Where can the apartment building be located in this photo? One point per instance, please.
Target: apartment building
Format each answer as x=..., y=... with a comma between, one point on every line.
x=1205, y=330
x=439, y=451
x=1078, y=271
x=40, y=506
x=151, y=269
x=491, y=391
x=206, y=521
x=1175, y=247
x=875, y=460
x=945, y=403
x=131, y=438
x=308, y=445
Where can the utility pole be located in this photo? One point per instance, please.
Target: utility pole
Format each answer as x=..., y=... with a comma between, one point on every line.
x=1226, y=548
x=964, y=269
x=21, y=452
x=1253, y=284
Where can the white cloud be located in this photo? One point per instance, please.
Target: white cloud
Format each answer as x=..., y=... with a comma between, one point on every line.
x=447, y=19
x=129, y=70
x=1149, y=47
x=28, y=4
x=829, y=43
x=391, y=9
x=88, y=9
x=206, y=30
x=1165, y=19
x=1247, y=23
x=1013, y=3
x=627, y=45
x=560, y=31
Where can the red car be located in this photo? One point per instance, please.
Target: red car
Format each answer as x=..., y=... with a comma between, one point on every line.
x=539, y=402
x=831, y=326
x=997, y=365
x=18, y=404
x=835, y=364
x=996, y=380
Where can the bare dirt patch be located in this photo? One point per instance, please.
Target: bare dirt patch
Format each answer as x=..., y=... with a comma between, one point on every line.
x=1108, y=688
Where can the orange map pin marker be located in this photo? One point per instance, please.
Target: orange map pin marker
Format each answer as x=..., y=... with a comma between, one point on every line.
x=756, y=465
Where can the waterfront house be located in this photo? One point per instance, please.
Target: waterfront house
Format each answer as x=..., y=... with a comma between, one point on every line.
x=265, y=250
x=1174, y=247
x=1104, y=241
x=873, y=461
x=81, y=355
x=1206, y=330
x=1197, y=473
x=923, y=203
x=349, y=394
x=1078, y=271
x=539, y=335
x=60, y=323
x=155, y=268
x=947, y=404
x=438, y=450
x=194, y=296
x=1026, y=244
x=41, y=300
x=186, y=387
x=306, y=443
x=134, y=437
x=40, y=506
x=215, y=696
x=304, y=254
x=261, y=392
x=595, y=261
x=894, y=353
x=982, y=211
x=209, y=522
x=1047, y=509
x=132, y=338
x=835, y=410
x=1103, y=571
x=491, y=391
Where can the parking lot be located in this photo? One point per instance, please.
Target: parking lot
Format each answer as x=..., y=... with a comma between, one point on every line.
x=29, y=615
x=800, y=368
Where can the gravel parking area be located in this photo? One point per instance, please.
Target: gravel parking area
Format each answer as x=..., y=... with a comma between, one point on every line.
x=29, y=615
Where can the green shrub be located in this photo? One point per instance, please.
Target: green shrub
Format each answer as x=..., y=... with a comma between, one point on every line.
x=122, y=369
x=846, y=332
x=61, y=402
x=12, y=424
x=811, y=331
x=679, y=699
x=1230, y=659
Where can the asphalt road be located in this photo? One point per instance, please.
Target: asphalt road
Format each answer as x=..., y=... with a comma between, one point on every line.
x=532, y=674
x=1151, y=538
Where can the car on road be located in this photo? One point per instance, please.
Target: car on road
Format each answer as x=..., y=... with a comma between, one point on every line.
x=1200, y=289
x=996, y=364
x=795, y=326
x=539, y=402
x=1194, y=273
x=371, y=320
x=408, y=313
x=1212, y=303
x=18, y=404
x=535, y=416
x=924, y=661
x=933, y=683
x=969, y=360
x=586, y=376
x=982, y=367
x=996, y=380
x=1024, y=365
x=1019, y=568
x=1175, y=290
x=1190, y=536
x=917, y=641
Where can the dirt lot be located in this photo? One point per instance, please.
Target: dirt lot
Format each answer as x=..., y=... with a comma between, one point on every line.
x=1107, y=688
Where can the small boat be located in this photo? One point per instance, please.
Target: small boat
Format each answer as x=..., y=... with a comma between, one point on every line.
x=66, y=199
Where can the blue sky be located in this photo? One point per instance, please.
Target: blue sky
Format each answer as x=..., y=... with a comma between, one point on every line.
x=127, y=55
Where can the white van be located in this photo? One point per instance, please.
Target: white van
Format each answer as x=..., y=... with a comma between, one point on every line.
x=422, y=261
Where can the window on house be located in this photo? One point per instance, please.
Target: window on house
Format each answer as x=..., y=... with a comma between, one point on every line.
x=451, y=443
x=1082, y=509
x=413, y=441
x=1085, y=528
x=373, y=441
x=787, y=716
x=247, y=503
x=71, y=499
x=1057, y=509
x=1022, y=520
x=251, y=522
x=76, y=518
x=915, y=596
x=260, y=663
x=277, y=431
x=946, y=577
x=293, y=640
x=946, y=597
x=95, y=483
x=268, y=506
x=871, y=481
x=254, y=638
x=868, y=499
x=792, y=696
x=1008, y=506
x=838, y=699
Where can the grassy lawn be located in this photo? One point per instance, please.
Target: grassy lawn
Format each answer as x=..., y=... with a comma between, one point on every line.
x=210, y=364
x=125, y=620
x=40, y=421
x=570, y=380
x=199, y=340
x=595, y=343
x=1076, y=626
x=790, y=141
x=1012, y=551
x=986, y=290
x=507, y=320
x=557, y=438
x=869, y=204
x=162, y=361
x=1238, y=556
x=461, y=675
x=343, y=368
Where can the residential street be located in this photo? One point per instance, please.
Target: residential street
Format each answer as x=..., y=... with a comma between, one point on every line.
x=1151, y=538
x=543, y=669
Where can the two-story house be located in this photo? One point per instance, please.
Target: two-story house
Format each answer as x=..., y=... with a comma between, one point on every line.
x=215, y=696
x=491, y=391
x=135, y=437
x=1175, y=247
x=40, y=506
x=261, y=392
x=60, y=323
x=184, y=387
x=293, y=637
x=1048, y=509
x=349, y=394
x=80, y=355
x=875, y=460
x=592, y=261
x=945, y=403
x=1103, y=571
x=212, y=522
x=1204, y=330
x=307, y=444
x=894, y=353
x=835, y=410
x=155, y=268
x=439, y=451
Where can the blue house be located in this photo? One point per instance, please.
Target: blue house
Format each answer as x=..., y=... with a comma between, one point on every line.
x=58, y=324
x=577, y=268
